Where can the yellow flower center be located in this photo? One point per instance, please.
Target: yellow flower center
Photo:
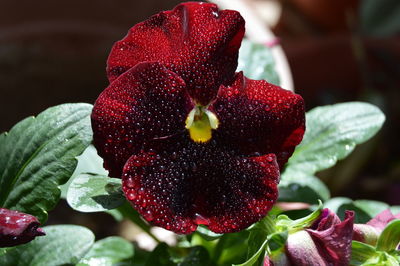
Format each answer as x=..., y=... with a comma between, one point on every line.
x=200, y=123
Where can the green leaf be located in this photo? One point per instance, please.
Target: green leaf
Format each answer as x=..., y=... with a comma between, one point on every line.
x=361, y=252
x=371, y=207
x=62, y=244
x=128, y=212
x=284, y=223
x=390, y=236
x=108, y=251
x=116, y=214
x=257, y=62
x=365, y=209
x=3, y=251
x=166, y=256
x=255, y=241
x=395, y=209
x=231, y=248
x=94, y=193
x=207, y=234
x=266, y=226
x=380, y=18
x=275, y=244
x=38, y=154
x=160, y=256
x=381, y=259
x=277, y=240
x=88, y=162
x=332, y=133
x=256, y=255
x=197, y=256
x=296, y=186
x=259, y=232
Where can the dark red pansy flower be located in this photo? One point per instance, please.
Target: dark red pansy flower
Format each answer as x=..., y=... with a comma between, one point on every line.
x=193, y=141
x=17, y=228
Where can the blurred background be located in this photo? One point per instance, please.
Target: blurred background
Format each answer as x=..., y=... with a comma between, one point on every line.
x=53, y=52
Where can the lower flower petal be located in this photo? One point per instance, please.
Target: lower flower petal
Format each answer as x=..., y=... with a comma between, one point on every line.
x=201, y=184
x=146, y=102
x=259, y=117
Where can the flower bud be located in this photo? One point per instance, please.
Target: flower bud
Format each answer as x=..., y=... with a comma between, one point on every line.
x=17, y=228
x=326, y=242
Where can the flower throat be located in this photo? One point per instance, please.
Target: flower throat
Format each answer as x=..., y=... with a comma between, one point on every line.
x=200, y=122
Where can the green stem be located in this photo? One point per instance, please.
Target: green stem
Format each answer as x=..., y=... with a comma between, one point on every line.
x=219, y=248
x=128, y=212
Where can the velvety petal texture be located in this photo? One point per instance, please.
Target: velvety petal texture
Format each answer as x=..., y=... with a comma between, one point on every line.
x=17, y=228
x=194, y=143
x=257, y=117
x=195, y=40
x=146, y=102
x=201, y=184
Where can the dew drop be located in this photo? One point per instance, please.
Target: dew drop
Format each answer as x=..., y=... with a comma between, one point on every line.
x=199, y=219
x=131, y=195
x=129, y=183
x=148, y=216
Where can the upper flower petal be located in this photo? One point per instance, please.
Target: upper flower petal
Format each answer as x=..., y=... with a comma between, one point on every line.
x=259, y=117
x=146, y=102
x=193, y=184
x=195, y=40
x=17, y=228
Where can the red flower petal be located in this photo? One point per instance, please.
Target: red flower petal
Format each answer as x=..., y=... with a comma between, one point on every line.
x=146, y=102
x=195, y=40
x=259, y=117
x=194, y=184
x=17, y=228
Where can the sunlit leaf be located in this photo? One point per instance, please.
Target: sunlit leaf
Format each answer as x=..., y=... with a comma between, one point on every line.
x=107, y=252
x=257, y=62
x=95, y=193
x=390, y=236
x=296, y=186
x=62, y=244
x=332, y=132
x=39, y=154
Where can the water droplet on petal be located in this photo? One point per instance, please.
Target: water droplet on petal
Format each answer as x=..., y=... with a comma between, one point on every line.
x=199, y=219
